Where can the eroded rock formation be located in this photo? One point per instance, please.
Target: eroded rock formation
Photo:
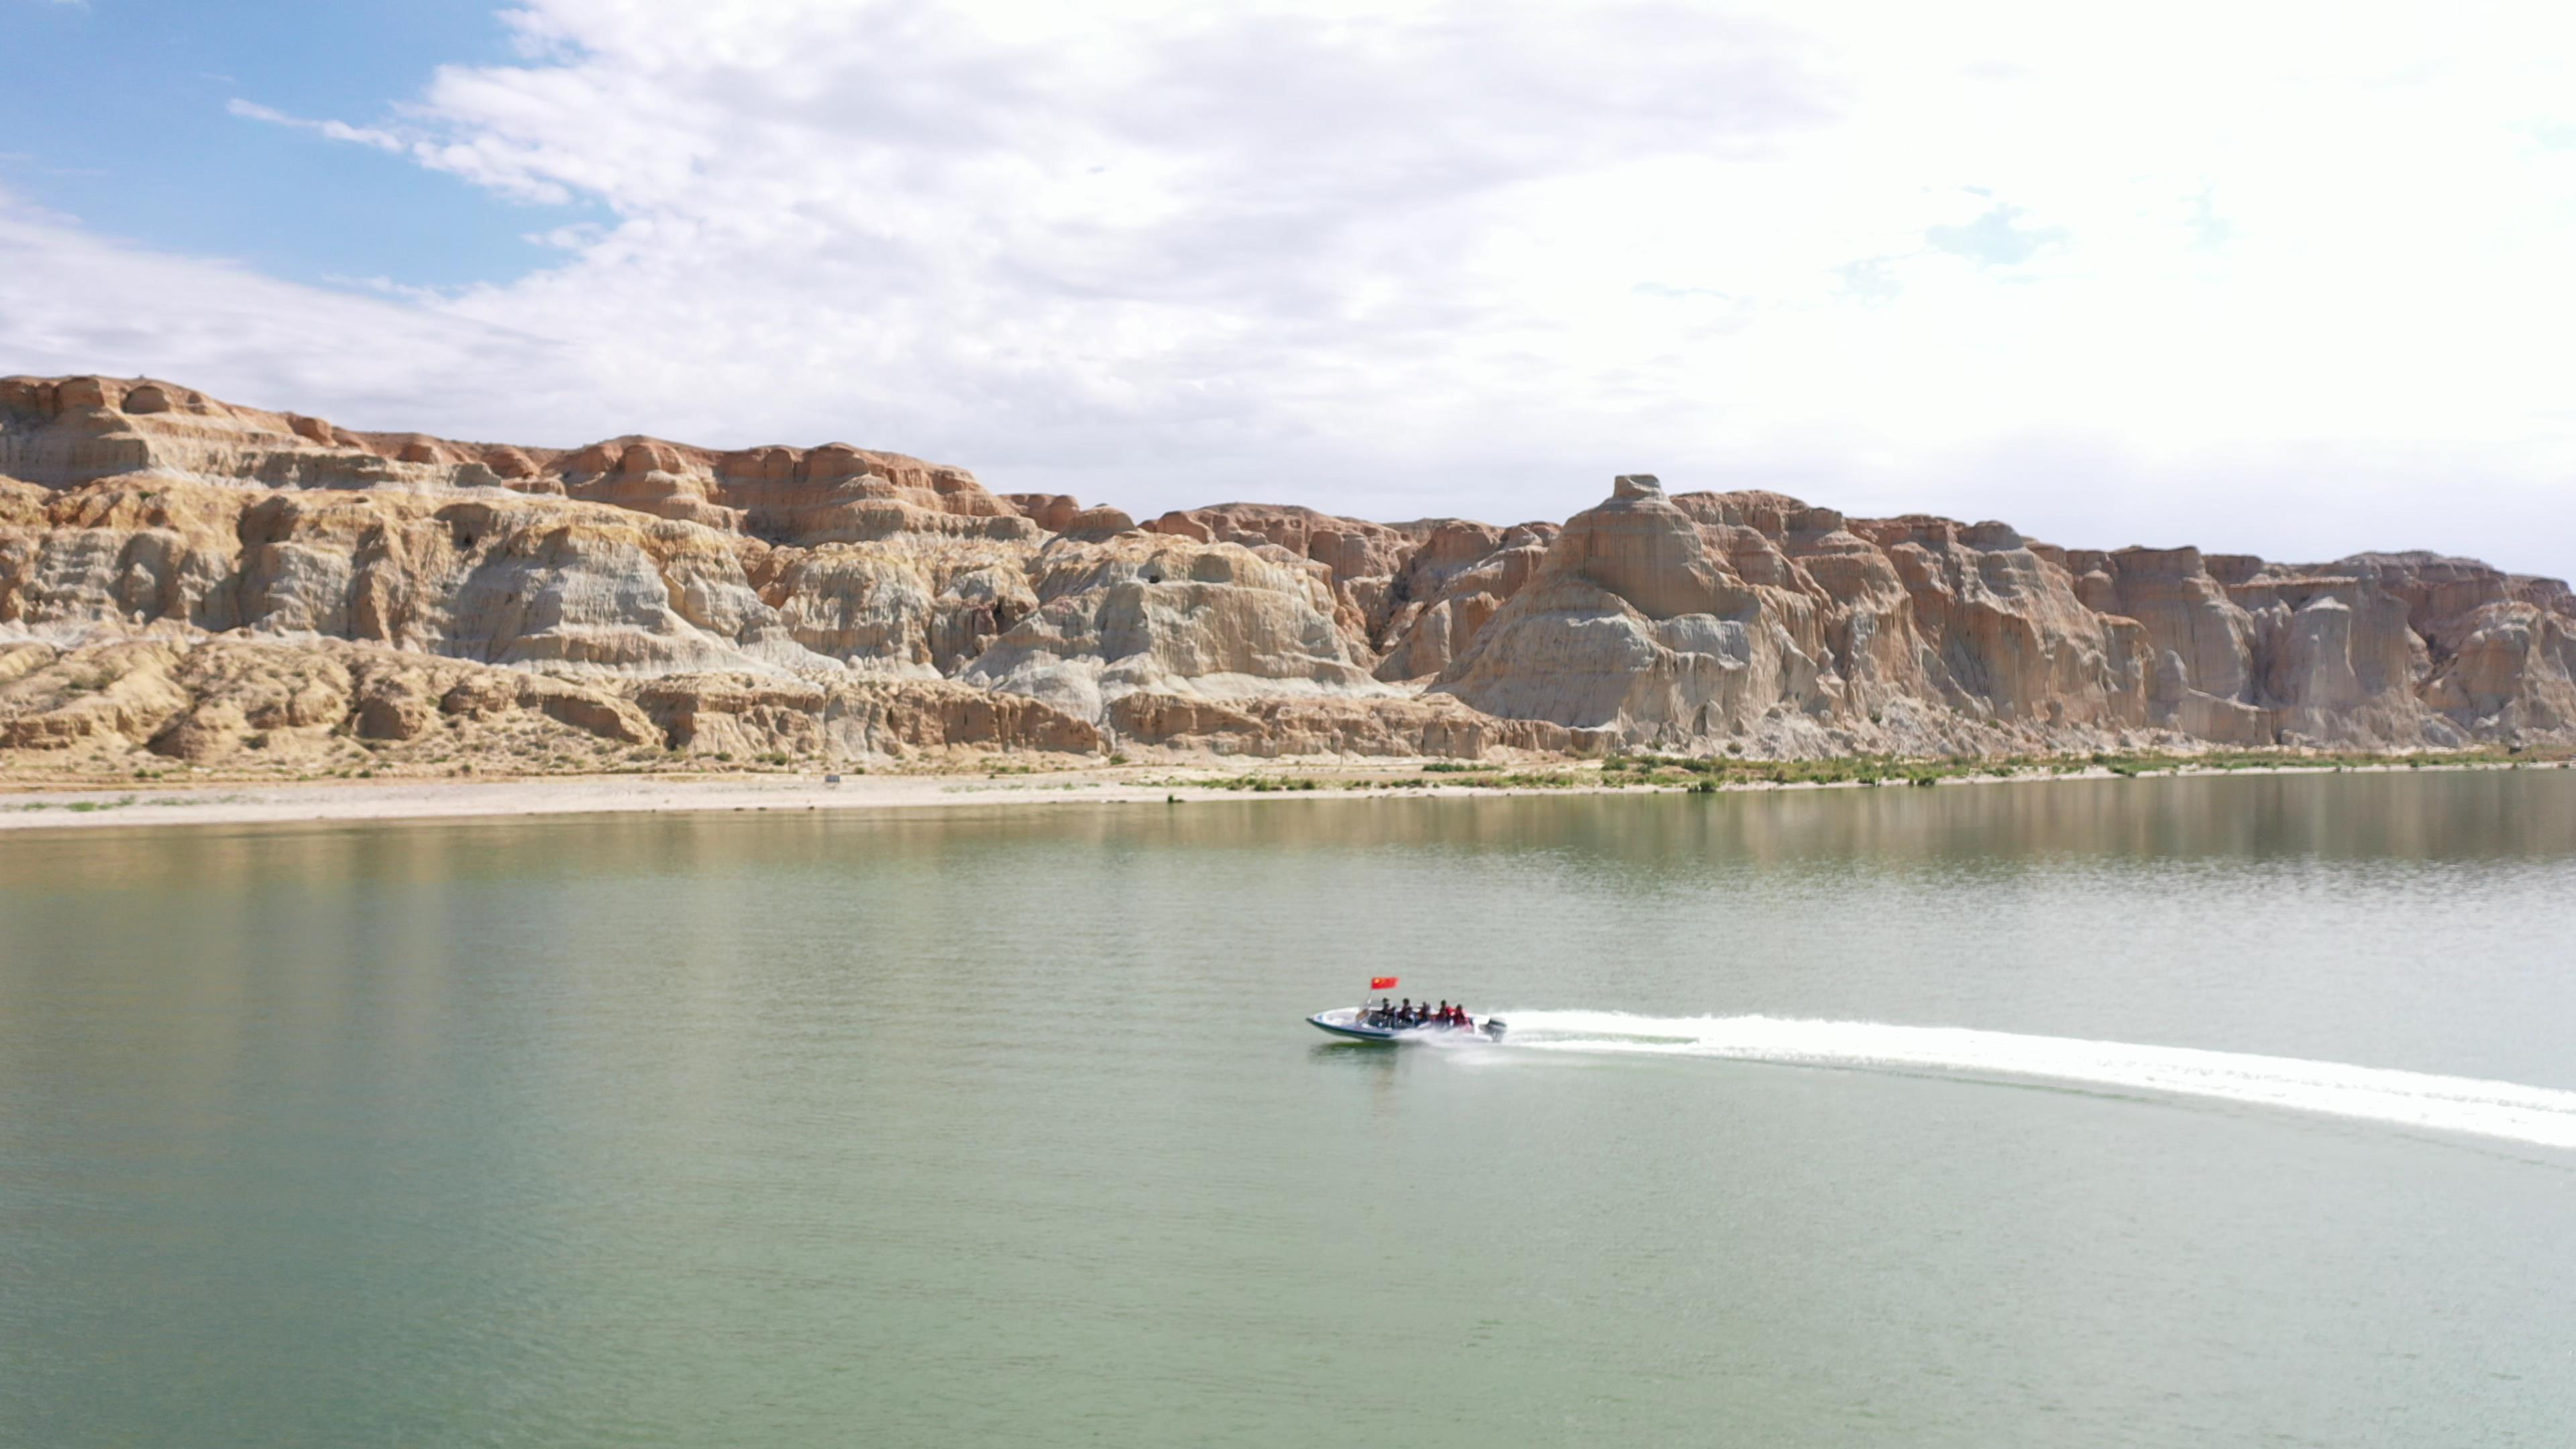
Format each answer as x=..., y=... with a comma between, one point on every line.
x=186, y=579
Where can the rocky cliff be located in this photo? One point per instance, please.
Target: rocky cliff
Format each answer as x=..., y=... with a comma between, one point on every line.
x=186, y=579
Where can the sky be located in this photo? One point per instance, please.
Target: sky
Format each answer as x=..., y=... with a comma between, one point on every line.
x=2286, y=279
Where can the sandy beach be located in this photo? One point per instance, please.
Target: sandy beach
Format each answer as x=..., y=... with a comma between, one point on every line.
x=236, y=804
x=247, y=803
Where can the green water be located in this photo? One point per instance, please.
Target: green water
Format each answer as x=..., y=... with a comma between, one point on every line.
x=1002, y=1128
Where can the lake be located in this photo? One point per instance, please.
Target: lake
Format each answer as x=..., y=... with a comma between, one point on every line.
x=2207, y=1111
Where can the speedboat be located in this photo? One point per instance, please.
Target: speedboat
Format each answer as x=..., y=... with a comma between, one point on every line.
x=1360, y=1023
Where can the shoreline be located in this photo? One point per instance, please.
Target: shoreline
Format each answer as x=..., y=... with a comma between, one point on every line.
x=357, y=801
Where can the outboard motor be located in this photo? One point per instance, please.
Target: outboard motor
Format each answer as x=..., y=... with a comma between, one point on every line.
x=1494, y=1028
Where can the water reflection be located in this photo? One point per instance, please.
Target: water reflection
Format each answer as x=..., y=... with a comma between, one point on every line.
x=2443, y=816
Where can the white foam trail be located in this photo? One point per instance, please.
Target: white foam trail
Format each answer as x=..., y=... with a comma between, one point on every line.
x=2544, y=1116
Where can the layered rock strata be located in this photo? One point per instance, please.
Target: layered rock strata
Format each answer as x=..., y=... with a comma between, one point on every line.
x=185, y=579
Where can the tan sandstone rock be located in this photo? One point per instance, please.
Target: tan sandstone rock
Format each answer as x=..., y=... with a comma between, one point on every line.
x=186, y=579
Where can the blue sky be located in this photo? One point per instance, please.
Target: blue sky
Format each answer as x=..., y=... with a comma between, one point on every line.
x=117, y=113
x=2287, y=279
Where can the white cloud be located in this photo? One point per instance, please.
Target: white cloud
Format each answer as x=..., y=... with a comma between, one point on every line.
x=2281, y=278
x=76, y=302
x=334, y=130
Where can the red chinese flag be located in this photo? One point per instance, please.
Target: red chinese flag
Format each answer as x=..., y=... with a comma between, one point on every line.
x=1381, y=983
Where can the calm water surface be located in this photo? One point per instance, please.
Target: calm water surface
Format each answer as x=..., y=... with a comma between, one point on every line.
x=1001, y=1128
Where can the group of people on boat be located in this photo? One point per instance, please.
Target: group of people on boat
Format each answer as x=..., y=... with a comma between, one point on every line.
x=1408, y=1014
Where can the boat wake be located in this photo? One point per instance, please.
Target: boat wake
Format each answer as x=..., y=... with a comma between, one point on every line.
x=2543, y=1116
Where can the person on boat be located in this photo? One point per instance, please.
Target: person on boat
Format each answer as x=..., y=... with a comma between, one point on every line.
x=1443, y=1018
